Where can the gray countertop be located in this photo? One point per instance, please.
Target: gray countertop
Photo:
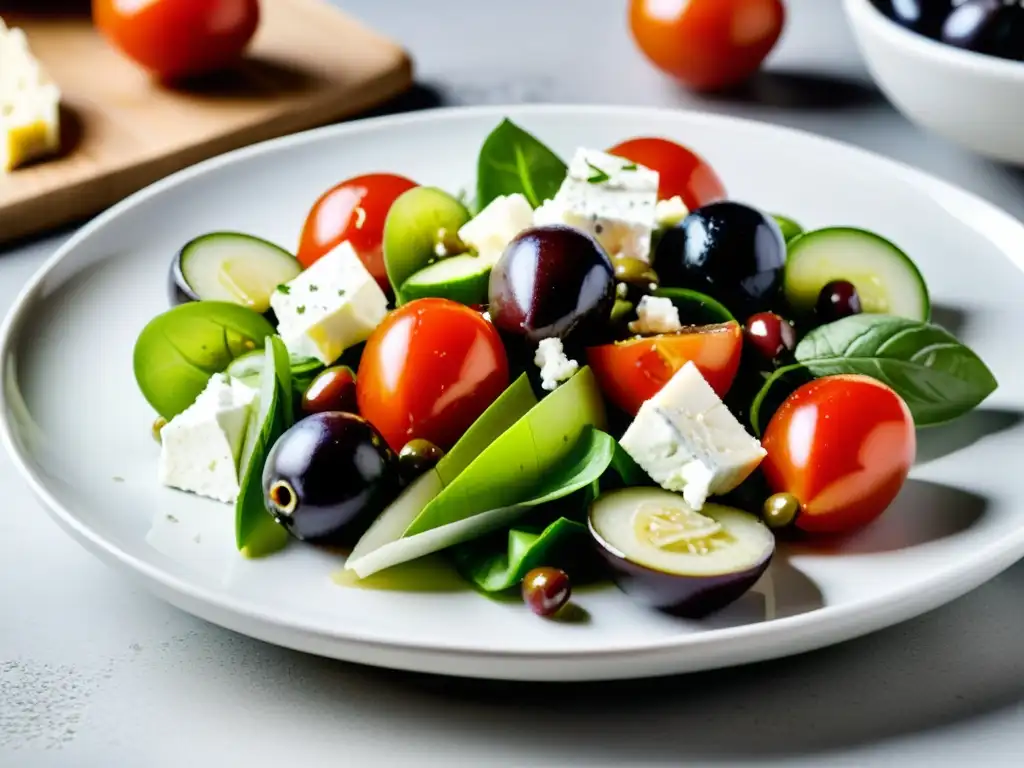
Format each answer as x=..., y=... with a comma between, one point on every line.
x=96, y=672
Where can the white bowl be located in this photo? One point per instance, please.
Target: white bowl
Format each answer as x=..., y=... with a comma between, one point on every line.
x=972, y=99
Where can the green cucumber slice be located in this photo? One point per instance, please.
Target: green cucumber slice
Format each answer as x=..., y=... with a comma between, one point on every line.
x=696, y=308
x=887, y=280
x=459, y=278
x=787, y=226
x=231, y=266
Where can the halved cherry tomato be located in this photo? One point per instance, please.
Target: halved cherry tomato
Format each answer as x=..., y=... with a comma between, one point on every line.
x=843, y=445
x=178, y=38
x=428, y=371
x=630, y=372
x=681, y=171
x=354, y=210
x=707, y=44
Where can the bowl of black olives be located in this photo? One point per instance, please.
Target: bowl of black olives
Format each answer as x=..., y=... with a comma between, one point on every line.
x=954, y=67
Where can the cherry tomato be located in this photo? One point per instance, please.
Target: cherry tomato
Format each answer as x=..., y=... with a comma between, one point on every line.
x=681, y=171
x=842, y=445
x=174, y=39
x=630, y=372
x=707, y=44
x=428, y=371
x=354, y=210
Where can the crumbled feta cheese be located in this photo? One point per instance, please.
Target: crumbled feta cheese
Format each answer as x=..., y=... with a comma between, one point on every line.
x=333, y=305
x=494, y=227
x=688, y=441
x=609, y=197
x=554, y=366
x=668, y=213
x=200, y=447
x=656, y=314
x=29, y=104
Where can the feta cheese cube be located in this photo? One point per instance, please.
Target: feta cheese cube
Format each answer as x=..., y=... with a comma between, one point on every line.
x=656, y=314
x=494, y=227
x=668, y=213
x=29, y=104
x=611, y=198
x=688, y=441
x=555, y=366
x=333, y=305
x=200, y=447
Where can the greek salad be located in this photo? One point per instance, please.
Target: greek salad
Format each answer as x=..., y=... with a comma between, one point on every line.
x=606, y=368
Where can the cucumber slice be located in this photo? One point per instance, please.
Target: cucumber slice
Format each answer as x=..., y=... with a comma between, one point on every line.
x=231, y=266
x=886, y=279
x=787, y=226
x=459, y=278
x=696, y=308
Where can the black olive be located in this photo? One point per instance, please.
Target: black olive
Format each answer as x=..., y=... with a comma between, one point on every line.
x=923, y=16
x=992, y=27
x=417, y=456
x=730, y=251
x=837, y=300
x=328, y=477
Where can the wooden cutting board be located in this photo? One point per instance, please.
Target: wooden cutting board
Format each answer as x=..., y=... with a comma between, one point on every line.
x=308, y=65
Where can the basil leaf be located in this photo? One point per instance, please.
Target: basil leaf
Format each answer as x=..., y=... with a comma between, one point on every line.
x=939, y=378
x=512, y=160
x=776, y=388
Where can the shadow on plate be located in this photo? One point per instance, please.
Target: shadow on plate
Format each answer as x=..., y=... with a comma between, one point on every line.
x=785, y=89
x=953, y=319
x=923, y=512
x=939, y=441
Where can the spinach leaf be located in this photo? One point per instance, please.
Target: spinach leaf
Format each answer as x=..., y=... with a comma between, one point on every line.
x=512, y=160
x=939, y=378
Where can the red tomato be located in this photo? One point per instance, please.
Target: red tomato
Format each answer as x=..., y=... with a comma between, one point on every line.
x=630, y=372
x=428, y=371
x=354, y=210
x=707, y=44
x=843, y=445
x=178, y=38
x=681, y=171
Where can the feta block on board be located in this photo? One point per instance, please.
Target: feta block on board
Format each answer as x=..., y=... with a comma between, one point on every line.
x=656, y=314
x=689, y=442
x=555, y=366
x=493, y=228
x=200, y=447
x=29, y=104
x=333, y=305
x=609, y=197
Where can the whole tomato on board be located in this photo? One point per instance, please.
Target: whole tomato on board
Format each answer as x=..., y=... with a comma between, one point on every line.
x=428, y=371
x=353, y=210
x=707, y=44
x=681, y=171
x=842, y=445
x=175, y=39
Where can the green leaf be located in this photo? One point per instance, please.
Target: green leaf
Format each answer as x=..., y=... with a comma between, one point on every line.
x=939, y=378
x=256, y=532
x=776, y=388
x=512, y=160
x=179, y=350
x=510, y=468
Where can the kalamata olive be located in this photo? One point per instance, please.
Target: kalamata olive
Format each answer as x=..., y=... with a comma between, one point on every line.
x=837, y=300
x=333, y=389
x=546, y=590
x=780, y=510
x=729, y=251
x=992, y=27
x=417, y=456
x=329, y=476
x=769, y=335
x=923, y=16
x=552, y=281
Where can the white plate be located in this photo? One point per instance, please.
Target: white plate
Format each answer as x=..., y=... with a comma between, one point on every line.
x=80, y=431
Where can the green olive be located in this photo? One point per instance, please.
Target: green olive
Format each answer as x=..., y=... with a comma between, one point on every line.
x=780, y=510
x=417, y=456
x=635, y=272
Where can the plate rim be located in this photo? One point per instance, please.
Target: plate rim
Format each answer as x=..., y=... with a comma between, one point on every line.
x=869, y=614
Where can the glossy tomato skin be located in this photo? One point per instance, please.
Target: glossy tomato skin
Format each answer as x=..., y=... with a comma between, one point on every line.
x=353, y=210
x=630, y=372
x=843, y=445
x=428, y=371
x=681, y=171
x=707, y=44
x=175, y=39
